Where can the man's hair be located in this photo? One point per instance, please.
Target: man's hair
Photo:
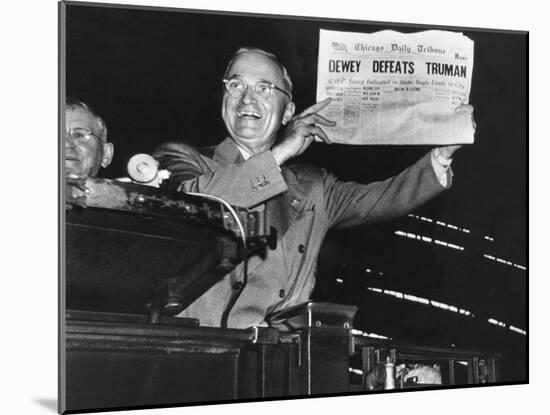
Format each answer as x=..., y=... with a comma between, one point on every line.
x=287, y=82
x=75, y=103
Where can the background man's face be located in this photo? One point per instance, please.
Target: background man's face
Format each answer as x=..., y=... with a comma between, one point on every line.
x=253, y=121
x=83, y=157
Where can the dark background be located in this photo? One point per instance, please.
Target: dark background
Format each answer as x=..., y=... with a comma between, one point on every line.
x=155, y=75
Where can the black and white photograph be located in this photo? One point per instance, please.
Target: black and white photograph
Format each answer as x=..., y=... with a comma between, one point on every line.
x=258, y=207
x=266, y=207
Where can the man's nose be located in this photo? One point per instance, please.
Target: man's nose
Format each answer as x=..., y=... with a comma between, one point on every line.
x=69, y=141
x=248, y=95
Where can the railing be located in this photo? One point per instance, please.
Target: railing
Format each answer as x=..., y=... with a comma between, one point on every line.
x=420, y=366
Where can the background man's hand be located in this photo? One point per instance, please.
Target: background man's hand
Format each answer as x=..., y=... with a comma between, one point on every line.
x=75, y=191
x=448, y=151
x=300, y=132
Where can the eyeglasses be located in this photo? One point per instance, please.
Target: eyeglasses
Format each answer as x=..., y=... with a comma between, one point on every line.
x=237, y=88
x=81, y=135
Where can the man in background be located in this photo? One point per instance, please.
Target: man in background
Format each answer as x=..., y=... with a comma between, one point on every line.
x=86, y=148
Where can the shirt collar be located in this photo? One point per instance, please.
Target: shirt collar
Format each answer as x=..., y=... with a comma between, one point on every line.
x=246, y=155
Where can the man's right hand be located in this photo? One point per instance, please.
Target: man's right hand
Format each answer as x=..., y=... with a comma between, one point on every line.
x=75, y=190
x=301, y=131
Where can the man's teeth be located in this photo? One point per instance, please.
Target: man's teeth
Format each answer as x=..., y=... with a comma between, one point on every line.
x=248, y=114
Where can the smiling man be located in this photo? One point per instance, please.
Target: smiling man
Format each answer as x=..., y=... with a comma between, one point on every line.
x=86, y=146
x=253, y=123
x=86, y=150
x=249, y=169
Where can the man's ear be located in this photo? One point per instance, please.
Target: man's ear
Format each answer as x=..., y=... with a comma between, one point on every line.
x=289, y=112
x=108, y=151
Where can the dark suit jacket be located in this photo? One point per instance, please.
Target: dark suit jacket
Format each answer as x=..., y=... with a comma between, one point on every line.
x=302, y=203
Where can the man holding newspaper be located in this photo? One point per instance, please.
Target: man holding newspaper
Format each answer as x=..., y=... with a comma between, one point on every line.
x=252, y=168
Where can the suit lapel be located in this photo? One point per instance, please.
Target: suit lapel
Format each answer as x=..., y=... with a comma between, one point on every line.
x=227, y=153
x=283, y=209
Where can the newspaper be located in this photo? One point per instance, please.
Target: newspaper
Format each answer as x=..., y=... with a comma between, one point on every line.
x=395, y=88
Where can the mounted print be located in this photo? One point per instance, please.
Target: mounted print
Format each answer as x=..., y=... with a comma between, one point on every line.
x=269, y=207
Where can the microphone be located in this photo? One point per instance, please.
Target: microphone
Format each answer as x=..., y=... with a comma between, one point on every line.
x=144, y=169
